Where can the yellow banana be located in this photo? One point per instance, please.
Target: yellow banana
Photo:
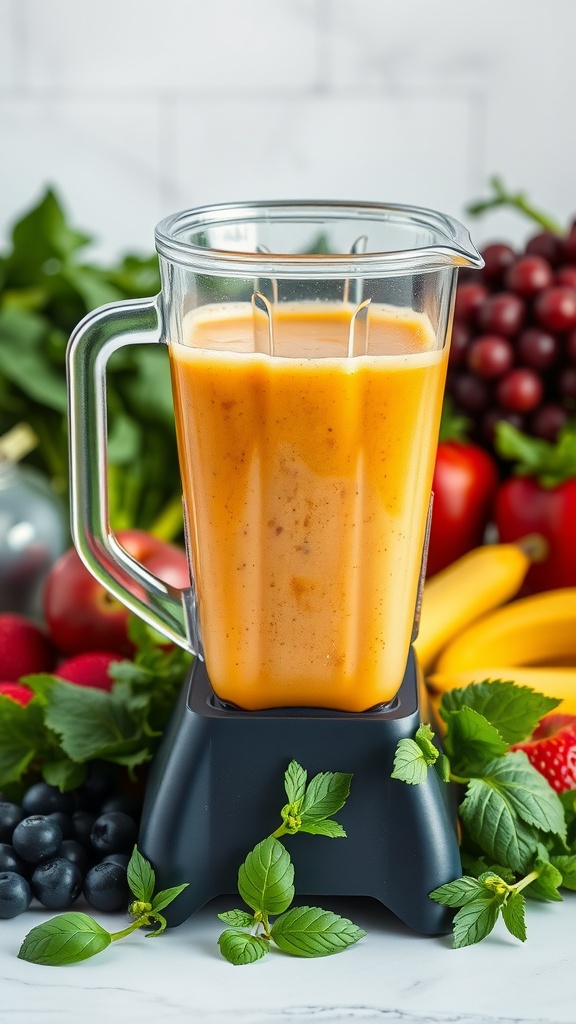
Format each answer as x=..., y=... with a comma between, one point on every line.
x=528, y=631
x=478, y=582
x=554, y=682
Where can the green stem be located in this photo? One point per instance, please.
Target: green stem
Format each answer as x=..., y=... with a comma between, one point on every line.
x=459, y=779
x=144, y=919
x=518, y=201
x=280, y=831
x=526, y=881
x=168, y=524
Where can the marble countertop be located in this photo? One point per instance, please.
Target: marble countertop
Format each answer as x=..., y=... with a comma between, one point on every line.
x=390, y=977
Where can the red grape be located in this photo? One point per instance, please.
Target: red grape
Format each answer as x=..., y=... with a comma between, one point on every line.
x=567, y=382
x=520, y=391
x=546, y=244
x=497, y=258
x=470, y=393
x=569, y=245
x=529, y=275
x=537, y=349
x=468, y=299
x=494, y=416
x=548, y=422
x=566, y=275
x=501, y=313
x=555, y=308
x=490, y=356
x=458, y=345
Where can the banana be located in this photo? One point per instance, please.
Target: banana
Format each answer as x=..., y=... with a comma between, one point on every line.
x=528, y=631
x=554, y=682
x=477, y=583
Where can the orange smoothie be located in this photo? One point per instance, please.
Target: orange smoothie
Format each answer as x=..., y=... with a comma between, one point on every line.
x=306, y=479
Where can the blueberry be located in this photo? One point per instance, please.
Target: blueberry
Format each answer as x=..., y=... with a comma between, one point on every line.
x=15, y=894
x=117, y=858
x=10, y=861
x=36, y=838
x=105, y=886
x=75, y=853
x=57, y=883
x=10, y=815
x=99, y=785
x=114, y=833
x=44, y=799
x=82, y=822
x=65, y=822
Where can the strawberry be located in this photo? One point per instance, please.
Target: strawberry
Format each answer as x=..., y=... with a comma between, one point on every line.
x=552, y=750
x=21, y=694
x=89, y=669
x=24, y=648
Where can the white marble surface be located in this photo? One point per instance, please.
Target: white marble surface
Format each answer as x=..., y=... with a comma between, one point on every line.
x=390, y=977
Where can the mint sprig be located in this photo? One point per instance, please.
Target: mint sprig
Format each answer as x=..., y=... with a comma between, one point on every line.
x=266, y=880
x=72, y=937
x=518, y=836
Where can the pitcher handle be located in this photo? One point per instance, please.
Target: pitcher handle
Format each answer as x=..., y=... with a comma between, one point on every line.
x=134, y=322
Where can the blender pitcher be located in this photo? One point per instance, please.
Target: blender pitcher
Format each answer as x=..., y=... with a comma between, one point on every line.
x=308, y=346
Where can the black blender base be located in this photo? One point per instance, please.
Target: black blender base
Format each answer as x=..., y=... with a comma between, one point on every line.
x=216, y=789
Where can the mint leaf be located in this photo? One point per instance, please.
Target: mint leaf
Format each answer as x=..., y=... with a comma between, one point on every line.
x=295, y=782
x=442, y=768
x=459, y=892
x=546, y=886
x=325, y=794
x=513, y=914
x=92, y=724
x=237, y=918
x=266, y=878
x=241, y=948
x=513, y=710
x=166, y=896
x=566, y=865
x=410, y=764
x=471, y=742
x=65, y=939
x=475, y=921
x=141, y=877
x=324, y=827
x=424, y=737
x=312, y=932
x=63, y=773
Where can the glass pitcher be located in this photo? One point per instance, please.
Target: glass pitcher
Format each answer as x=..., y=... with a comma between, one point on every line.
x=308, y=346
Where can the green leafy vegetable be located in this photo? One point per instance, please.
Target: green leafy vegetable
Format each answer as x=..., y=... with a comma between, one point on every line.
x=414, y=756
x=241, y=948
x=513, y=710
x=266, y=878
x=311, y=932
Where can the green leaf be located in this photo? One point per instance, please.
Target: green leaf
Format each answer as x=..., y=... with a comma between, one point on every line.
x=410, y=764
x=295, y=782
x=24, y=361
x=502, y=810
x=513, y=710
x=442, y=768
x=237, y=918
x=65, y=939
x=124, y=440
x=471, y=742
x=475, y=921
x=93, y=724
x=240, y=948
x=63, y=773
x=546, y=886
x=166, y=896
x=566, y=865
x=312, y=932
x=424, y=738
x=513, y=914
x=325, y=827
x=42, y=235
x=266, y=878
x=325, y=794
x=459, y=892
x=141, y=877
x=22, y=735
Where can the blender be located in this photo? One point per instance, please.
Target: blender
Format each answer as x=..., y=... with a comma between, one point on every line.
x=308, y=347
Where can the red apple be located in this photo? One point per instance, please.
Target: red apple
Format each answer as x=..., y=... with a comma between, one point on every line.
x=82, y=616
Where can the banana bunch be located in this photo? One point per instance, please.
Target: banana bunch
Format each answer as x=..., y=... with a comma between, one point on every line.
x=468, y=631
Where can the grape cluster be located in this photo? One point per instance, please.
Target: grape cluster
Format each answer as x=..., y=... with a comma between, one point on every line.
x=56, y=846
x=513, y=354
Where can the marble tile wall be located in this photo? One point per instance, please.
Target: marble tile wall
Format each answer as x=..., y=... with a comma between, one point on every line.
x=134, y=108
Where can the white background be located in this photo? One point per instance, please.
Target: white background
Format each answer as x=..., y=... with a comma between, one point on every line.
x=135, y=108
